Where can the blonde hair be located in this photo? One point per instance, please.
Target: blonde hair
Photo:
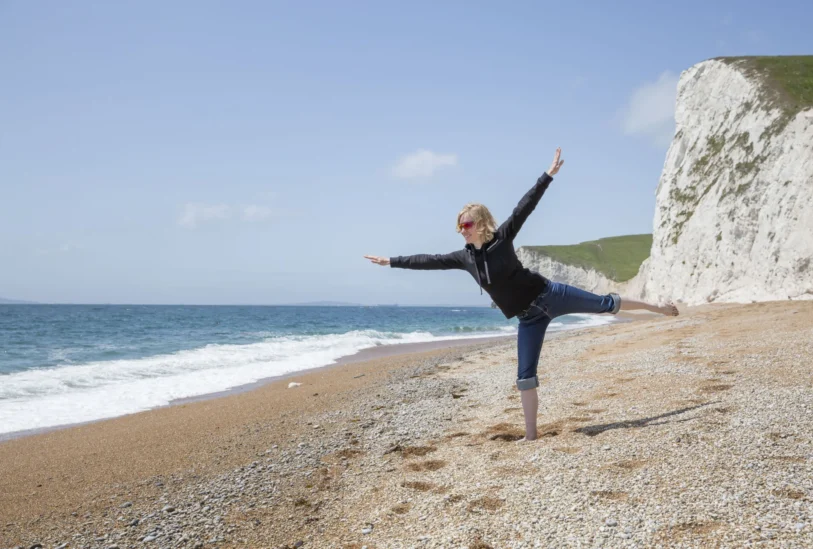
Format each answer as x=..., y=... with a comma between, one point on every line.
x=484, y=222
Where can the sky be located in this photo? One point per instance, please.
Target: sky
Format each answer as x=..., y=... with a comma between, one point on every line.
x=253, y=152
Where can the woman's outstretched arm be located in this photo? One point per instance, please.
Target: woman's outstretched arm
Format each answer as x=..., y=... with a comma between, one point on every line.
x=453, y=260
x=527, y=204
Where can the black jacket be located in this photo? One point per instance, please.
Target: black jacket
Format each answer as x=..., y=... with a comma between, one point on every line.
x=495, y=266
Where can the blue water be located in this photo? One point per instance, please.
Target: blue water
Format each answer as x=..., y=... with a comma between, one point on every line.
x=62, y=364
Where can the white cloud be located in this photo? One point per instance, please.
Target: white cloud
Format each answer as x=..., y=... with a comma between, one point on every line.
x=253, y=212
x=195, y=213
x=651, y=110
x=422, y=163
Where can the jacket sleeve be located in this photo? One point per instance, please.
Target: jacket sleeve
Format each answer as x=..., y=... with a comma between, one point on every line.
x=453, y=260
x=513, y=224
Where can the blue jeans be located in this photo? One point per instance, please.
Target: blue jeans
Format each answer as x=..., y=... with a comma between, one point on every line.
x=558, y=299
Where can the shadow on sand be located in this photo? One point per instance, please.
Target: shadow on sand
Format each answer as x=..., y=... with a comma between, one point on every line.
x=593, y=430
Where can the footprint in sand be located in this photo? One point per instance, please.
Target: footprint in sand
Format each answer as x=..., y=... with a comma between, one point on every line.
x=410, y=451
x=430, y=465
x=348, y=453
x=507, y=432
x=485, y=503
x=715, y=388
x=507, y=437
x=419, y=486
x=694, y=528
x=568, y=449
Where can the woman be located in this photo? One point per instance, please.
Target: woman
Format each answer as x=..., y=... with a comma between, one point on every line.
x=519, y=292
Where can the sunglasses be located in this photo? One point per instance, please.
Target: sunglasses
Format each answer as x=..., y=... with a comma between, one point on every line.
x=465, y=225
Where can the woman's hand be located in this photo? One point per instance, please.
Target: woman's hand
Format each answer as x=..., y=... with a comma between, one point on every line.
x=378, y=260
x=556, y=163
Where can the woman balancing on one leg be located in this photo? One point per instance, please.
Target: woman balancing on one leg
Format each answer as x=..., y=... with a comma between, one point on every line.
x=490, y=258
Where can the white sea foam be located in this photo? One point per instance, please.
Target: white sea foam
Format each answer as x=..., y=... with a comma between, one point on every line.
x=76, y=393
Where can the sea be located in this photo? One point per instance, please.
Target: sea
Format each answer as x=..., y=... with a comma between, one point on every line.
x=68, y=364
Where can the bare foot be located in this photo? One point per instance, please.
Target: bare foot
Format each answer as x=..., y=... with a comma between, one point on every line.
x=670, y=309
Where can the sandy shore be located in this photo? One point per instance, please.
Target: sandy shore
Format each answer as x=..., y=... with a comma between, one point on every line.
x=687, y=432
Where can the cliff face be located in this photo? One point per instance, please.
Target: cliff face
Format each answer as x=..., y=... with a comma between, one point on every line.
x=734, y=208
x=584, y=278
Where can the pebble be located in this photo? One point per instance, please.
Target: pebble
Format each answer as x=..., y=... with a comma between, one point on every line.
x=126, y=504
x=579, y=487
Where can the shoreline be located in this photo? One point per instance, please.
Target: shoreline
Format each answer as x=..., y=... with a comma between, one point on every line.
x=636, y=420
x=66, y=474
x=363, y=355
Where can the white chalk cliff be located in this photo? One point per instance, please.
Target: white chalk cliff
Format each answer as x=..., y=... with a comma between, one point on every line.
x=582, y=277
x=734, y=206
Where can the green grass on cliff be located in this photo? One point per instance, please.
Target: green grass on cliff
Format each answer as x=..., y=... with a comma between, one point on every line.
x=789, y=79
x=618, y=257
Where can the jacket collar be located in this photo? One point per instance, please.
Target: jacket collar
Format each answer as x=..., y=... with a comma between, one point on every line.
x=472, y=250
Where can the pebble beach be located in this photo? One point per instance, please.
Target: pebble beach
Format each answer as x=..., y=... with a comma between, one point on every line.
x=695, y=431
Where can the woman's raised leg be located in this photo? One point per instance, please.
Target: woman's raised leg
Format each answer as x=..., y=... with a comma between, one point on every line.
x=631, y=305
x=563, y=299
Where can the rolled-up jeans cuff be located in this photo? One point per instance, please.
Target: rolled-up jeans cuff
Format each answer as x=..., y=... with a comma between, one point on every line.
x=528, y=383
x=616, y=303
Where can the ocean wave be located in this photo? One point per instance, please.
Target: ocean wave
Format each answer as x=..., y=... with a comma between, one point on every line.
x=87, y=391
x=75, y=393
